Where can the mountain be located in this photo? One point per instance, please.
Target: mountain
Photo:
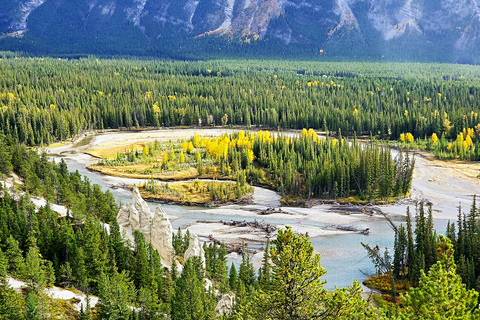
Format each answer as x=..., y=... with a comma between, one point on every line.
x=438, y=30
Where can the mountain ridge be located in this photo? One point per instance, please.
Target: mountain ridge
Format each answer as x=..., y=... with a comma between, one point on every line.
x=444, y=30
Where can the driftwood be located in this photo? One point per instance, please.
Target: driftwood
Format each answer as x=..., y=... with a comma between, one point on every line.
x=231, y=247
x=255, y=224
x=365, y=231
x=271, y=210
x=345, y=209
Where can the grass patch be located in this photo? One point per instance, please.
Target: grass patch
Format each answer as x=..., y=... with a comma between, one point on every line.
x=137, y=173
x=85, y=141
x=196, y=192
x=111, y=152
x=58, y=144
x=383, y=283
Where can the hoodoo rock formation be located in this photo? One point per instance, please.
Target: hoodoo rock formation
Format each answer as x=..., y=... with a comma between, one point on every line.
x=195, y=249
x=156, y=227
x=224, y=305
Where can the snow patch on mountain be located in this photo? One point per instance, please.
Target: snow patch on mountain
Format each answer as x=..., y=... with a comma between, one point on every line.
x=25, y=11
x=225, y=26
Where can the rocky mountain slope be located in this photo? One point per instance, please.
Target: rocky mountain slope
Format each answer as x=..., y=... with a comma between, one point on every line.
x=444, y=30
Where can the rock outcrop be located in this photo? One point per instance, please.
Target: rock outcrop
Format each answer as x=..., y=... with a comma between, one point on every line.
x=195, y=249
x=156, y=227
x=160, y=234
x=224, y=306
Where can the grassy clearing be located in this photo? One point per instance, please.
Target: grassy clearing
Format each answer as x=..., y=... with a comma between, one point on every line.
x=58, y=144
x=111, y=152
x=136, y=173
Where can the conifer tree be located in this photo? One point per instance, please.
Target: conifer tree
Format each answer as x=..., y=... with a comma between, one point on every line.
x=36, y=273
x=11, y=302
x=233, y=277
x=246, y=273
x=440, y=293
x=187, y=302
x=297, y=287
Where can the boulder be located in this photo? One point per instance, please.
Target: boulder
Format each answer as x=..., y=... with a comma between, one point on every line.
x=224, y=305
x=156, y=227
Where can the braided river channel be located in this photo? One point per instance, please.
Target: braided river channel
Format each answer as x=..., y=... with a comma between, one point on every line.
x=336, y=231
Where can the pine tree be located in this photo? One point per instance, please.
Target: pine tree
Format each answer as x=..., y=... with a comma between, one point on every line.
x=187, y=298
x=233, y=277
x=31, y=310
x=264, y=277
x=37, y=276
x=116, y=293
x=141, y=273
x=297, y=287
x=15, y=259
x=246, y=273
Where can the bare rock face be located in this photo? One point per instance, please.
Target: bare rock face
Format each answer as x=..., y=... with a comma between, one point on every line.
x=161, y=234
x=224, y=306
x=195, y=249
x=156, y=227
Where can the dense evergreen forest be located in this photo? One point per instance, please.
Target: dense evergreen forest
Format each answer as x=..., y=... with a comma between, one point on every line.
x=43, y=99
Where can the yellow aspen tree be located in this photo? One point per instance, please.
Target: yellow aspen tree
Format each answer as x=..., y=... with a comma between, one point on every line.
x=185, y=145
x=409, y=137
x=190, y=147
x=468, y=141
x=197, y=140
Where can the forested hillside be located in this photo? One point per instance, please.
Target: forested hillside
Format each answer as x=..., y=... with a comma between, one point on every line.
x=44, y=100
x=401, y=30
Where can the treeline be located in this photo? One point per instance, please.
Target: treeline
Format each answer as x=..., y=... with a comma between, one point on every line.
x=329, y=168
x=43, y=100
x=465, y=237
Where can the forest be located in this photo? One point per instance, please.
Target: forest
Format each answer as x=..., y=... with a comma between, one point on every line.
x=46, y=100
x=43, y=100
x=299, y=168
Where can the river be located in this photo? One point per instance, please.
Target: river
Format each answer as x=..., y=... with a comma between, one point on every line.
x=342, y=254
